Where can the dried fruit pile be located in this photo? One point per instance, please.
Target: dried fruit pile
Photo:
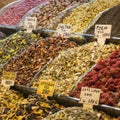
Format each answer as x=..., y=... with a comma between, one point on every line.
x=16, y=43
x=13, y=106
x=82, y=15
x=17, y=11
x=71, y=64
x=105, y=76
x=28, y=63
x=5, y=2
x=46, y=14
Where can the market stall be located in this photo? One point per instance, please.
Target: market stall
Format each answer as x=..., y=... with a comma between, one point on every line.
x=67, y=67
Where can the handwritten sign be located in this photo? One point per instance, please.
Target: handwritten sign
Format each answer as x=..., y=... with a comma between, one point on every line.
x=8, y=78
x=30, y=23
x=7, y=83
x=102, y=32
x=90, y=96
x=46, y=88
x=64, y=30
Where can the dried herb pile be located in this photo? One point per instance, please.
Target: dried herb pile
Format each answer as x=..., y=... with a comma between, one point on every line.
x=72, y=63
x=76, y=113
x=13, y=106
x=82, y=15
x=111, y=17
x=28, y=63
x=47, y=13
x=15, y=44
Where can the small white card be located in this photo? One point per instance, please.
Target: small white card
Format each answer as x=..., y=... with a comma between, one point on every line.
x=103, y=31
x=30, y=23
x=90, y=96
x=64, y=30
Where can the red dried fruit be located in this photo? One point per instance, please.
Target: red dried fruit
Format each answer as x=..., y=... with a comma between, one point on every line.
x=112, y=87
x=98, y=67
x=79, y=86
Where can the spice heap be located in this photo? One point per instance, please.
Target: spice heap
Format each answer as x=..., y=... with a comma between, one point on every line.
x=17, y=11
x=28, y=63
x=72, y=63
x=105, y=76
x=5, y=2
x=46, y=14
x=14, y=106
x=82, y=15
x=16, y=43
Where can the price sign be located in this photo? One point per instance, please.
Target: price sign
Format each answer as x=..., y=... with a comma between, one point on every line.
x=90, y=96
x=102, y=32
x=8, y=78
x=64, y=30
x=30, y=23
x=46, y=88
x=7, y=83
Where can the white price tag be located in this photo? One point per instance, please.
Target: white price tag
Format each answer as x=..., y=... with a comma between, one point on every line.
x=101, y=41
x=64, y=30
x=7, y=83
x=30, y=23
x=103, y=31
x=90, y=96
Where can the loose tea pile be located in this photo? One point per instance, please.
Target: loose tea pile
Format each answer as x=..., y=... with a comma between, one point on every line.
x=82, y=15
x=73, y=113
x=72, y=63
x=111, y=17
x=9, y=100
x=28, y=63
x=13, y=106
x=46, y=14
x=105, y=76
x=15, y=44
